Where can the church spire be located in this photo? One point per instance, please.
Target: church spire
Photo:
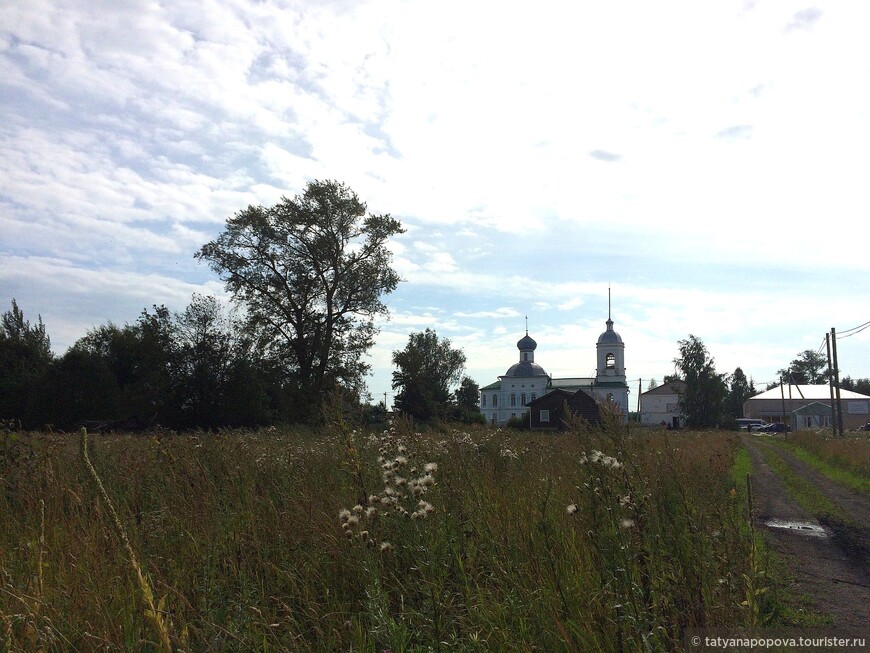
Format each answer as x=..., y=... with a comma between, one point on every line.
x=609, y=319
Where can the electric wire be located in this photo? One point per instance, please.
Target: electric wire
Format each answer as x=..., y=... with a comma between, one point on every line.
x=860, y=326
x=854, y=333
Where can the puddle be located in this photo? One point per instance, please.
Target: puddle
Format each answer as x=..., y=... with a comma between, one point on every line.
x=813, y=530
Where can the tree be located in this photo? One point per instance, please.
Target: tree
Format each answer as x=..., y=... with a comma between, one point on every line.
x=739, y=391
x=310, y=273
x=466, y=402
x=653, y=384
x=25, y=356
x=861, y=386
x=809, y=368
x=426, y=370
x=702, y=402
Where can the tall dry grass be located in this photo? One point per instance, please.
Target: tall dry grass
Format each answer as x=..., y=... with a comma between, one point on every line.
x=335, y=540
x=851, y=453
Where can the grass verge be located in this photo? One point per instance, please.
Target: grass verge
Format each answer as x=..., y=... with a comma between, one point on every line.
x=836, y=473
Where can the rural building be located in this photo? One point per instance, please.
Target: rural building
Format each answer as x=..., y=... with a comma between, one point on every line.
x=525, y=381
x=548, y=412
x=807, y=406
x=661, y=405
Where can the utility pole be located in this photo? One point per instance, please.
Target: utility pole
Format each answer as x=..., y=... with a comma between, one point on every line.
x=639, y=400
x=782, y=395
x=837, y=381
x=831, y=385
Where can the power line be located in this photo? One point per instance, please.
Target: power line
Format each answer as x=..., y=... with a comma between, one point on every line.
x=860, y=326
x=855, y=333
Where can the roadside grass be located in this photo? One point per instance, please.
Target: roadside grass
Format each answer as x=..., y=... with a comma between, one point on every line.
x=804, y=492
x=786, y=609
x=840, y=460
x=340, y=539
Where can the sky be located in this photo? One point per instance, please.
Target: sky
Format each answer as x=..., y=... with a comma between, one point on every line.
x=707, y=162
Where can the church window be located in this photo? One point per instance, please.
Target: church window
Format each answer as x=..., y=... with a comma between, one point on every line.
x=525, y=355
x=534, y=396
x=611, y=361
x=495, y=400
x=483, y=401
x=513, y=400
x=523, y=399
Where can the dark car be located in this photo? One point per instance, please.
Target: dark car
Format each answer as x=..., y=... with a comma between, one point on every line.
x=775, y=427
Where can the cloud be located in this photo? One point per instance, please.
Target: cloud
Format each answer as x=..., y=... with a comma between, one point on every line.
x=607, y=157
x=497, y=313
x=735, y=132
x=804, y=19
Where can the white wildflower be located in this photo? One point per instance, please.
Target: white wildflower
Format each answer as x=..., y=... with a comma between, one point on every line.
x=571, y=509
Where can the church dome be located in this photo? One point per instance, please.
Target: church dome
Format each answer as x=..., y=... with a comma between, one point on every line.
x=525, y=369
x=526, y=342
x=610, y=337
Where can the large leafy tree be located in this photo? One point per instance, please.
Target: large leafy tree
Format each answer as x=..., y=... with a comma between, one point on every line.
x=25, y=356
x=809, y=368
x=740, y=389
x=426, y=369
x=702, y=402
x=310, y=272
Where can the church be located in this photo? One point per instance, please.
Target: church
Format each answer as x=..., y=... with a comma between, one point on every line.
x=526, y=381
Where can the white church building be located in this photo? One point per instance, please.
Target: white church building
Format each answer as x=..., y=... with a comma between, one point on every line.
x=526, y=381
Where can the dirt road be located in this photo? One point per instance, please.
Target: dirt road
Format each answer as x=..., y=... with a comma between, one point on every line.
x=827, y=560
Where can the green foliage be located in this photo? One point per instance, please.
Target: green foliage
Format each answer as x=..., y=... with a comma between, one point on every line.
x=426, y=369
x=702, y=403
x=25, y=357
x=310, y=272
x=557, y=542
x=740, y=389
x=809, y=368
x=861, y=386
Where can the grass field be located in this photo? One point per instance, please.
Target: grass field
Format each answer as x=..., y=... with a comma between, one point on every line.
x=446, y=539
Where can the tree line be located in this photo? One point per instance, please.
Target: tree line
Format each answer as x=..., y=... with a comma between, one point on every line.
x=306, y=278
x=712, y=399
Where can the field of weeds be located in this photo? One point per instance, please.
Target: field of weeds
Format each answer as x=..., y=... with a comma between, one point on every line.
x=850, y=453
x=369, y=541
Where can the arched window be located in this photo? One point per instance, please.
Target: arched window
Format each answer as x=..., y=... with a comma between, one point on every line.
x=534, y=396
x=611, y=361
x=525, y=355
x=483, y=401
x=513, y=400
x=523, y=398
x=494, y=401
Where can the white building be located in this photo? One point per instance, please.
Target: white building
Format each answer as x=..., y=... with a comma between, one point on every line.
x=807, y=406
x=525, y=380
x=661, y=405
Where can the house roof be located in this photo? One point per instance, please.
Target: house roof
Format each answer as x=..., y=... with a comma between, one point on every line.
x=669, y=388
x=812, y=392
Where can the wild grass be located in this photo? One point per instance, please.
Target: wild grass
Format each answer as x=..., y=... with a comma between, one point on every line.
x=846, y=460
x=397, y=540
x=804, y=492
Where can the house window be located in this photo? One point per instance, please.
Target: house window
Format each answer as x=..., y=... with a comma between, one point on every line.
x=494, y=401
x=611, y=361
x=523, y=399
x=513, y=400
x=544, y=416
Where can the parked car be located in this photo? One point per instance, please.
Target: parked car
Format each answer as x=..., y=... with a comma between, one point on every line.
x=750, y=424
x=775, y=427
